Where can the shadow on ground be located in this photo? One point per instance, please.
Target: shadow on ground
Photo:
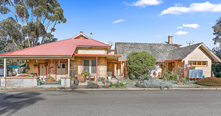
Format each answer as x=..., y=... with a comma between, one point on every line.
x=13, y=102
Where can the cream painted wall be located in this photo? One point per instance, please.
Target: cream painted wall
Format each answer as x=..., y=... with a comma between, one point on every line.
x=200, y=55
x=31, y=63
x=85, y=50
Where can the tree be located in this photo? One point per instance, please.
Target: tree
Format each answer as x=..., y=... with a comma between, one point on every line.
x=32, y=22
x=140, y=63
x=216, y=68
x=217, y=32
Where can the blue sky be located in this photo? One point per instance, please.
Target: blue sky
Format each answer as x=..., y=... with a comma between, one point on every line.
x=149, y=21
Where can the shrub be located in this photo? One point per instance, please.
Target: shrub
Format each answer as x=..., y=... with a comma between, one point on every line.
x=167, y=76
x=132, y=76
x=74, y=86
x=144, y=77
x=92, y=85
x=76, y=82
x=139, y=63
x=209, y=82
x=173, y=77
x=117, y=85
x=107, y=83
x=154, y=84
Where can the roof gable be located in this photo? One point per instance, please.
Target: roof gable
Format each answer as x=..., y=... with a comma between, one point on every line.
x=207, y=51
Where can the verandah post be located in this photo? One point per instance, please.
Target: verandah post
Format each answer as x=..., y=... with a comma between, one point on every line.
x=5, y=68
x=121, y=74
x=68, y=67
x=96, y=70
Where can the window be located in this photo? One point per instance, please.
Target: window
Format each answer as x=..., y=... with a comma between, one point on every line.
x=93, y=64
x=90, y=65
x=198, y=63
x=86, y=65
x=63, y=65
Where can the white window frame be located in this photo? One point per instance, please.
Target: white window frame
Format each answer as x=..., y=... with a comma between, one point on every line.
x=90, y=65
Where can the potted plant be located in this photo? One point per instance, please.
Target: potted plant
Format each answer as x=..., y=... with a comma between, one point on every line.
x=109, y=75
x=86, y=73
x=59, y=81
x=35, y=65
x=49, y=79
x=99, y=79
x=103, y=78
x=72, y=80
x=27, y=68
x=39, y=81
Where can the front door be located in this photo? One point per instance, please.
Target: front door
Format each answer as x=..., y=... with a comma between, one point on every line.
x=42, y=71
x=60, y=71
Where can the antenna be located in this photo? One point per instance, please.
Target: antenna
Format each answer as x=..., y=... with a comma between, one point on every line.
x=189, y=42
x=110, y=43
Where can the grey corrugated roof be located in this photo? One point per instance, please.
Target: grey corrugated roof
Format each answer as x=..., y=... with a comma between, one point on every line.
x=159, y=51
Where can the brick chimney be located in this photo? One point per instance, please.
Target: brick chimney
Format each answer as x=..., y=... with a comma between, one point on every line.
x=170, y=39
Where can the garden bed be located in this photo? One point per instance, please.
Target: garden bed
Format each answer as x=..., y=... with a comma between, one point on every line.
x=209, y=82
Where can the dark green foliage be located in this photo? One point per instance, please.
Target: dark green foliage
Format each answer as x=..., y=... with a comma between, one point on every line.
x=92, y=85
x=216, y=68
x=31, y=23
x=139, y=63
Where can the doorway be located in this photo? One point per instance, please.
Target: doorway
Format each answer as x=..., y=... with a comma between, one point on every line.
x=42, y=71
x=61, y=70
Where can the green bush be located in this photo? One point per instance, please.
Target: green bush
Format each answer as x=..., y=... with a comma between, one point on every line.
x=173, y=77
x=84, y=72
x=139, y=63
x=167, y=76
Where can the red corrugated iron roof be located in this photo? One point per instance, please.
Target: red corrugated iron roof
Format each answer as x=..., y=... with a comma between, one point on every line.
x=65, y=47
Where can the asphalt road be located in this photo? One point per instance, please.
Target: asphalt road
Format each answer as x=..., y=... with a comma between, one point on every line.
x=111, y=103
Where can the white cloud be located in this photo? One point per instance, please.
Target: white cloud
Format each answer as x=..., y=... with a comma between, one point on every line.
x=158, y=35
x=181, y=33
x=144, y=3
x=168, y=33
x=118, y=21
x=179, y=27
x=211, y=23
x=194, y=7
x=191, y=25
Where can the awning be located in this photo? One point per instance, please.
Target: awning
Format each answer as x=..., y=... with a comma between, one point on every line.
x=16, y=66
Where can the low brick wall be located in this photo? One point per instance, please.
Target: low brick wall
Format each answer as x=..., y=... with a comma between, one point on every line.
x=19, y=81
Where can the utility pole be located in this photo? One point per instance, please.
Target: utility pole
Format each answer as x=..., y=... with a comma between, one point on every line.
x=189, y=42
